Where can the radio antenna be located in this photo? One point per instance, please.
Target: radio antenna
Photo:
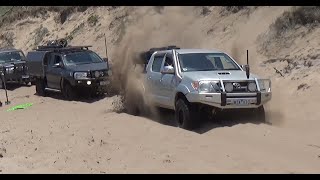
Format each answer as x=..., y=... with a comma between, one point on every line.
x=105, y=43
x=247, y=66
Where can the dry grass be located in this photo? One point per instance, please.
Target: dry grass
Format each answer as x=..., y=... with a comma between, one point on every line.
x=93, y=20
x=298, y=16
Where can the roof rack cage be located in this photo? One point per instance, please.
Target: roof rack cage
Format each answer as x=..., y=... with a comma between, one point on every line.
x=164, y=48
x=59, y=48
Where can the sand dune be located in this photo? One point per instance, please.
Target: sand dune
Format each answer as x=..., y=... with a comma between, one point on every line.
x=57, y=136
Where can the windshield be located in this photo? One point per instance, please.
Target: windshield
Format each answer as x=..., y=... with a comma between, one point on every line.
x=206, y=62
x=6, y=57
x=82, y=58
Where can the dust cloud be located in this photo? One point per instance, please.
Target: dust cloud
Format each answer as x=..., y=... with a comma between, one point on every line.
x=149, y=28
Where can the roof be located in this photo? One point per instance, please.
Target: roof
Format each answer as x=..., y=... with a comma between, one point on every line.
x=187, y=51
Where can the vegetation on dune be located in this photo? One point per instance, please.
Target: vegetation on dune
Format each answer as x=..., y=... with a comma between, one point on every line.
x=297, y=16
x=10, y=14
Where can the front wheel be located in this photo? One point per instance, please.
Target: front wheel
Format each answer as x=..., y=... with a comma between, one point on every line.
x=260, y=114
x=185, y=115
x=68, y=92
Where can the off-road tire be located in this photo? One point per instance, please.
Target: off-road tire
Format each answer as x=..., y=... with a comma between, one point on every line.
x=134, y=104
x=1, y=84
x=259, y=114
x=185, y=115
x=68, y=92
x=40, y=87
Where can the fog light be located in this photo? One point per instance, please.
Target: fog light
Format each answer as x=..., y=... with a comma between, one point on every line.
x=252, y=87
x=228, y=87
x=110, y=73
x=89, y=82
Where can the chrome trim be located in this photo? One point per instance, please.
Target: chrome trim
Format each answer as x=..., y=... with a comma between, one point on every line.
x=50, y=89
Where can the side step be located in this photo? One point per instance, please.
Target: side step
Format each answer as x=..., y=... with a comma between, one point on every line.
x=54, y=90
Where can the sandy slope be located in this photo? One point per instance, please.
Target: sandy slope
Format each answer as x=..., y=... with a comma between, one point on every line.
x=57, y=136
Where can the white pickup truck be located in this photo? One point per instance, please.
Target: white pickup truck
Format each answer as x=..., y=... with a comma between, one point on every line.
x=194, y=82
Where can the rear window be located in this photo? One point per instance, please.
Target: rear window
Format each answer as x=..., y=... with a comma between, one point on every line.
x=156, y=65
x=36, y=56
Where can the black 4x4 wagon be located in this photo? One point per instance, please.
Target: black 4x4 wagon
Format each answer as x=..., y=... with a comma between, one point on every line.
x=68, y=70
x=13, y=67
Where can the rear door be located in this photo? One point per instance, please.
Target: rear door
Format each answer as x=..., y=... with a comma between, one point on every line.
x=154, y=77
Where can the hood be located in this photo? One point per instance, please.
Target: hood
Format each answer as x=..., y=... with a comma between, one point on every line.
x=89, y=67
x=224, y=75
x=8, y=64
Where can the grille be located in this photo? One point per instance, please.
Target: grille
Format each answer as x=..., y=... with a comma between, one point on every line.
x=239, y=87
x=98, y=74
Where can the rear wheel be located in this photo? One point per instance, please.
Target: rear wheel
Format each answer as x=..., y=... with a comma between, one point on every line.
x=40, y=87
x=134, y=103
x=185, y=115
x=68, y=92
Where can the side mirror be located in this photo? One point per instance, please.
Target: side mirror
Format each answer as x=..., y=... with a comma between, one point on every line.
x=58, y=65
x=168, y=70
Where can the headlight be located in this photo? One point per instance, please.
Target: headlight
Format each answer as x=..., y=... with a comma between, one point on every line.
x=252, y=87
x=109, y=73
x=206, y=86
x=96, y=74
x=81, y=75
x=9, y=70
x=264, y=85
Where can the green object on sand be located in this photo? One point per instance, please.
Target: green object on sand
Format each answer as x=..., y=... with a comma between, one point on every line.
x=21, y=106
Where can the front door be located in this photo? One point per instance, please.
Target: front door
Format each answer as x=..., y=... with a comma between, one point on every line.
x=53, y=72
x=153, y=79
x=168, y=83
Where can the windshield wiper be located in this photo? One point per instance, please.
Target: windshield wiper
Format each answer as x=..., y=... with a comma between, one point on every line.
x=231, y=69
x=208, y=70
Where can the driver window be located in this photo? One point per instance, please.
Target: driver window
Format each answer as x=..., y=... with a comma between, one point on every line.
x=57, y=59
x=169, y=60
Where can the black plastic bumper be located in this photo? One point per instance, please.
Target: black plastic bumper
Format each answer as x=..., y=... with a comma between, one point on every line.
x=93, y=85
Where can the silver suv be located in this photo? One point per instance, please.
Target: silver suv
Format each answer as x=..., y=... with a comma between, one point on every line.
x=193, y=82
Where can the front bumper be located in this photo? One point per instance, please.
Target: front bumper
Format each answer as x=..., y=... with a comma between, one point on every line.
x=15, y=74
x=100, y=85
x=230, y=100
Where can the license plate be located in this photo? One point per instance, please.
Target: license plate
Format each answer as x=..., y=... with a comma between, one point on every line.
x=242, y=102
x=103, y=83
x=25, y=76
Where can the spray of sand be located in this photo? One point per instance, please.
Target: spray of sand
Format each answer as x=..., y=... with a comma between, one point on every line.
x=149, y=28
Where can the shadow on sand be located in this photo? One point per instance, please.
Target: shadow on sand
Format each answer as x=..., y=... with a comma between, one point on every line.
x=225, y=119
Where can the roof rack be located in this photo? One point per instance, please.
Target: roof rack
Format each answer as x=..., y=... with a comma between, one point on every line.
x=164, y=48
x=56, y=48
